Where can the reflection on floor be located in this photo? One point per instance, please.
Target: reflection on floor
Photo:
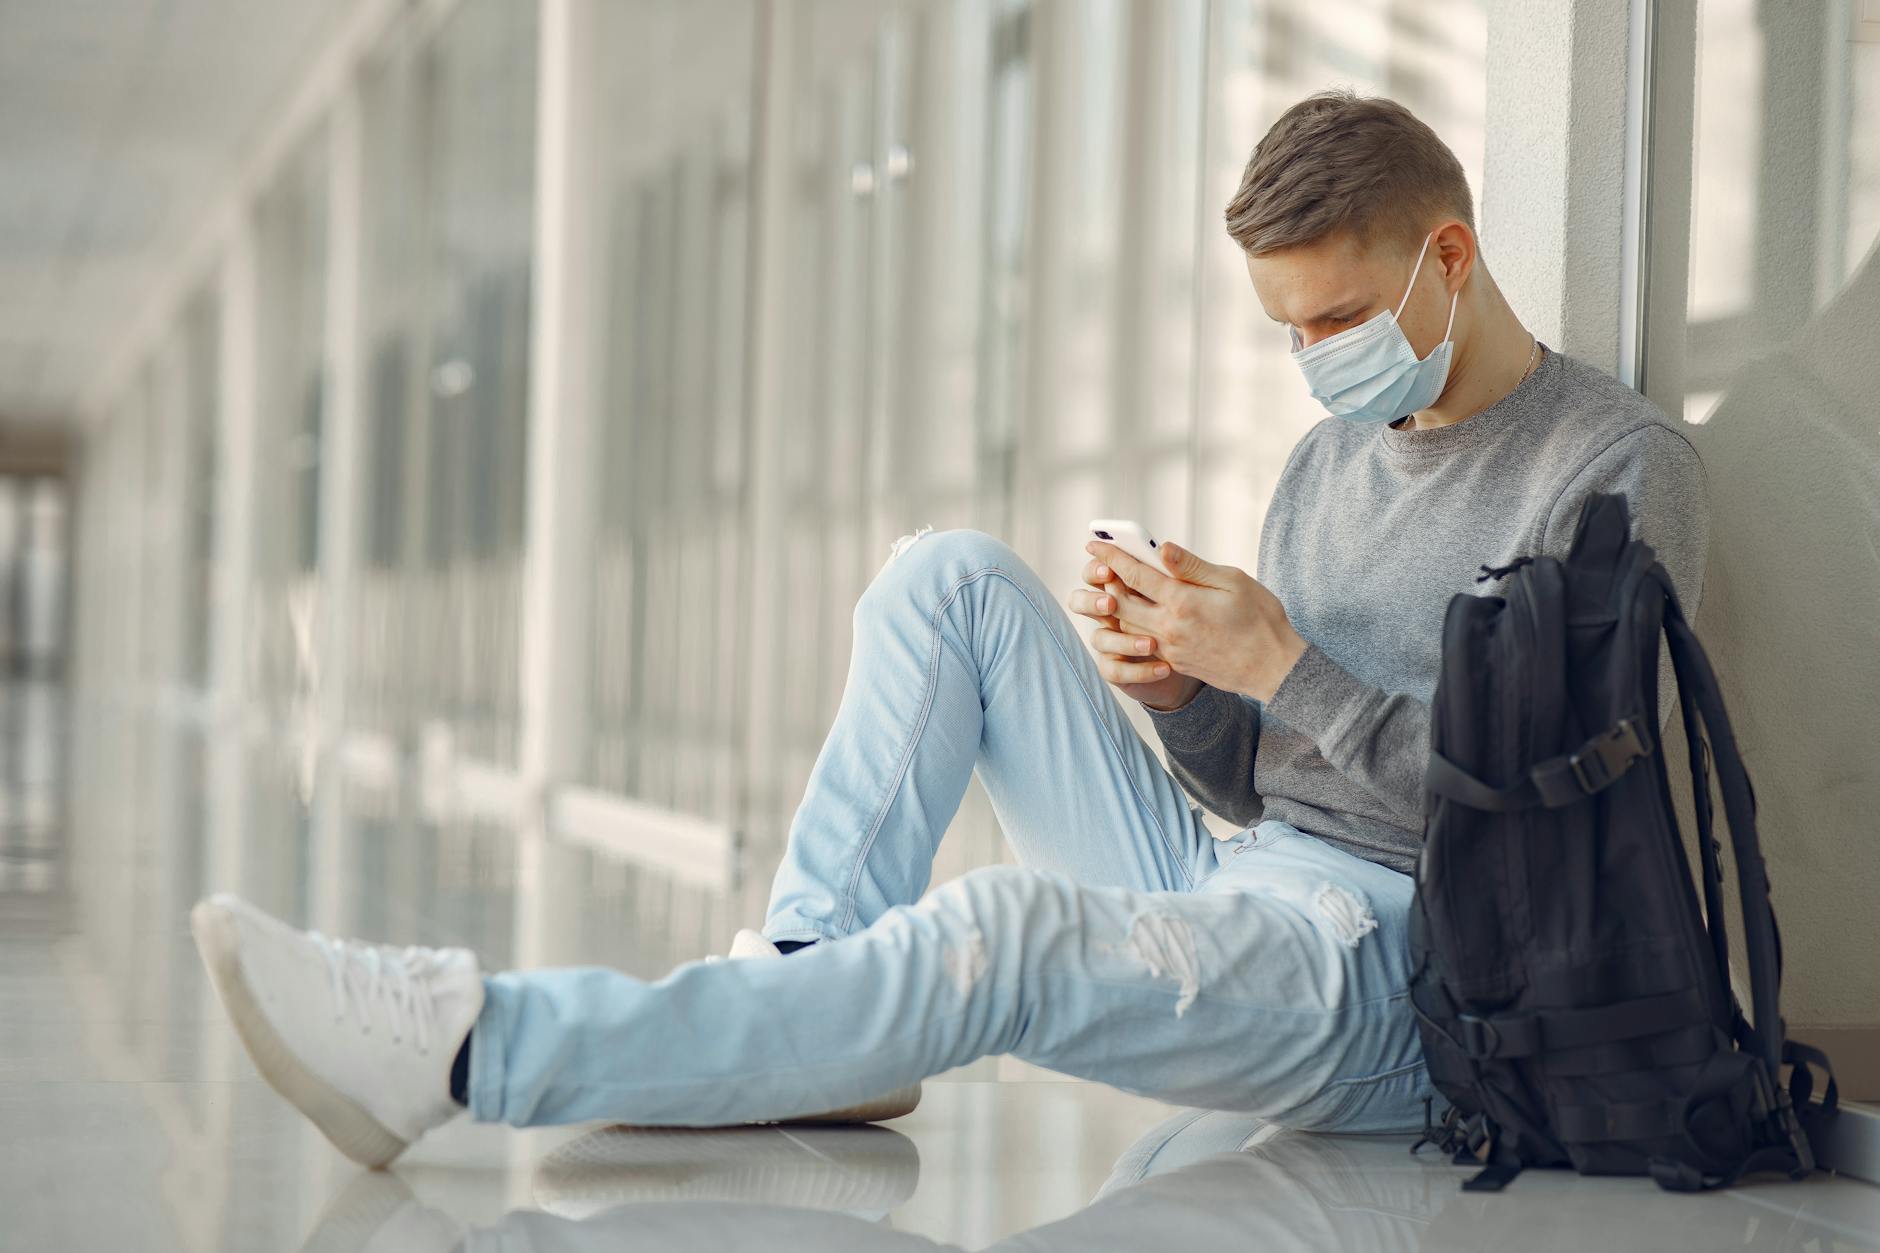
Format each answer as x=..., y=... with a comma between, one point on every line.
x=130, y=1118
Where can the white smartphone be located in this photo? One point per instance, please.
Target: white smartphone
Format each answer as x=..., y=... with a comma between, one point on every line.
x=1132, y=537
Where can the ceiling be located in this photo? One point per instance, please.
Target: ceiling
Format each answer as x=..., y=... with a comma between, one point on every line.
x=121, y=123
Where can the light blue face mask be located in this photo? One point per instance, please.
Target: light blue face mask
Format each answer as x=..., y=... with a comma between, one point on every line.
x=1370, y=373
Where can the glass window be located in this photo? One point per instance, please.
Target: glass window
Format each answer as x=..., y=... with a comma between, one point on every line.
x=448, y=233
x=387, y=658
x=671, y=613
x=480, y=103
x=43, y=634
x=837, y=328
x=1762, y=298
x=1767, y=188
x=201, y=332
x=290, y=224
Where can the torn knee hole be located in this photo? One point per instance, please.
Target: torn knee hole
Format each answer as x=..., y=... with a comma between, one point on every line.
x=965, y=962
x=1165, y=944
x=906, y=542
x=1348, y=912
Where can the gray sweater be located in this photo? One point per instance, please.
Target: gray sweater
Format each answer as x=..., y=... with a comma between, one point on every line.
x=1370, y=532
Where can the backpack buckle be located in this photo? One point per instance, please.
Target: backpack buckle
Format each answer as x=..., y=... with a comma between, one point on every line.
x=1612, y=751
x=1479, y=1038
x=1789, y=1125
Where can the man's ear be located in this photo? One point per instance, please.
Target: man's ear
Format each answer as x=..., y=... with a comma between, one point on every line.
x=1457, y=253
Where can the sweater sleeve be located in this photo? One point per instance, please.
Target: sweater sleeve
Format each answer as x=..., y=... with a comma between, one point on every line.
x=1667, y=497
x=1380, y=740
x=1211, y=744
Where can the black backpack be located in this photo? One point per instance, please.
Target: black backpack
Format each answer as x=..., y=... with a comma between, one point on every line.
x=1573, y=1008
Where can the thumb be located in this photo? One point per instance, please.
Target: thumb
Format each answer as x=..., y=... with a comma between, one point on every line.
x=1184, y=565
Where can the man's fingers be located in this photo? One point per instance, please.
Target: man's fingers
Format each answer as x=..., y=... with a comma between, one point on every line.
x=1098, y=574
x=1121, y=643
x=1092, y=604
x=1137, y=575
x=1120, y=670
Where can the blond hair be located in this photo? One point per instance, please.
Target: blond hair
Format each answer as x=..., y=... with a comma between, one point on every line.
x=1340, y=162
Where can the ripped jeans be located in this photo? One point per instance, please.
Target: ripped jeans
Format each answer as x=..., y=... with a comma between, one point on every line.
x=1265, y=973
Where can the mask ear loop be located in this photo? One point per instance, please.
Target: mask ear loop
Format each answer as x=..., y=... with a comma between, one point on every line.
x=1414, y=271
x=1452, y=317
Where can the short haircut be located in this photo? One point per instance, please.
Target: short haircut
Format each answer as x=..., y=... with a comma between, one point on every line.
x=1340, y=162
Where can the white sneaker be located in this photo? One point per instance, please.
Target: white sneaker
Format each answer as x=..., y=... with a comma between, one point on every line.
x=750, y=943
x=359, y=1036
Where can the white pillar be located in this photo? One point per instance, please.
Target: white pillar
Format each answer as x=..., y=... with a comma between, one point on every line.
x=162, y=531
x=564, y=413
x=1554, y=180
x=340, y=440
x=232, y=570
x=563, y=397
x=772, y=202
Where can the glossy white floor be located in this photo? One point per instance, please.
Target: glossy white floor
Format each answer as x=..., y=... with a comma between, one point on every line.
x=131, y=1120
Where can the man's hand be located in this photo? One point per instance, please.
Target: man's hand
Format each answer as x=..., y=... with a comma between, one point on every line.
x=1136, y=673
x=1213, y=623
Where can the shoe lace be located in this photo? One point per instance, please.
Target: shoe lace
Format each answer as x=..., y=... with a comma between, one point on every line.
x=369, y=975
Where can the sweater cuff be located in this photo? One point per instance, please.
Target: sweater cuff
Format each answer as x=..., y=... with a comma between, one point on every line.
x=1315, y=696
x=1199, y=724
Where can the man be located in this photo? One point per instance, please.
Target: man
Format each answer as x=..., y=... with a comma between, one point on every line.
x=1265, y=973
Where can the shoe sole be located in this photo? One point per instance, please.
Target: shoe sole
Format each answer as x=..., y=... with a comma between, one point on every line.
x=352, y=1130
x=894, y=1104
x=889, y=1105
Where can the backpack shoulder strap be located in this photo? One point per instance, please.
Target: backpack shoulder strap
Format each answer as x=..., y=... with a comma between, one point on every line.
x=1710, y=852
x=1699, y=681
x=1765, y=1038
x=1602, y=532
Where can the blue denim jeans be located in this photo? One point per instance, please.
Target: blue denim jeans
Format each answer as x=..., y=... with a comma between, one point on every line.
x=1265, y=973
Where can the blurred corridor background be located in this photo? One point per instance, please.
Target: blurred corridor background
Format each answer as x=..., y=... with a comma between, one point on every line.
x=510, y=443
x=442, y=441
